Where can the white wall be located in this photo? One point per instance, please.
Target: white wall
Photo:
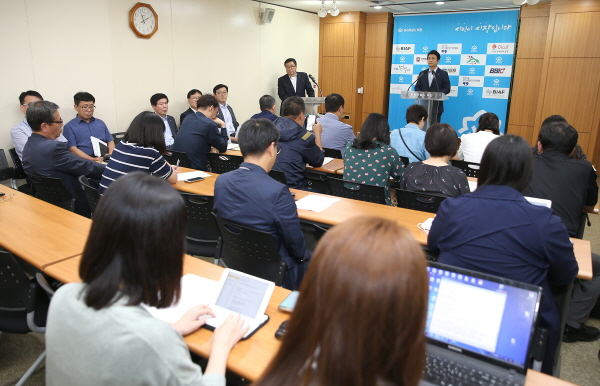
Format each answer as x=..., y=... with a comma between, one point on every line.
x=60, y=47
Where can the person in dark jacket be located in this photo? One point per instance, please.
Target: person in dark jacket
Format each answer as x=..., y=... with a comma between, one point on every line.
x=298, y=145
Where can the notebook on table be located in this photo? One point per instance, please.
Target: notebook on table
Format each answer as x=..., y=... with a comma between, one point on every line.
x=479, y=328
x=236, y=293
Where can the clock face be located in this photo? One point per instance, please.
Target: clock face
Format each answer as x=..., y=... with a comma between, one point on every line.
x=144, y=21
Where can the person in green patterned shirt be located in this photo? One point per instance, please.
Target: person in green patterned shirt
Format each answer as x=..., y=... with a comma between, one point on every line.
x=370, y=159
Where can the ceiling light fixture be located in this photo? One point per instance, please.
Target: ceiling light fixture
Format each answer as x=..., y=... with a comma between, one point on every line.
x=439, y=3
x=334, y=10
x=377, y=7
x=523, y=2
x=322, y=11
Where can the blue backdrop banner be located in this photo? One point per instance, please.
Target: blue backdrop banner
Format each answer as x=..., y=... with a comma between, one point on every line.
x=476, y=49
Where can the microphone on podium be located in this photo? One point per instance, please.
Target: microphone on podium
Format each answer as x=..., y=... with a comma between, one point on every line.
x=315, y=82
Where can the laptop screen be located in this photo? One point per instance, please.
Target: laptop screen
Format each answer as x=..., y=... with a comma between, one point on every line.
x=483, y=314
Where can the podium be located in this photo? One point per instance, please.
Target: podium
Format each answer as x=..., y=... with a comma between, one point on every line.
x=429, y=99
x=311, y=103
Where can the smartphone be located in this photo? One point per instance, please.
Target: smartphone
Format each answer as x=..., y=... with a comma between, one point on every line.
x=311, y=120
x=281, y=330
x=195, y=179
x=289, y=303
x=1, y=194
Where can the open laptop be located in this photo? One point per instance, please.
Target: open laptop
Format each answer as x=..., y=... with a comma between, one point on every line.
x=479, y=328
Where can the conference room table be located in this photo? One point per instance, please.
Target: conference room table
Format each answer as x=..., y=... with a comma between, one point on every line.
x=251, y=357
x=347, y=208
x=331, y=167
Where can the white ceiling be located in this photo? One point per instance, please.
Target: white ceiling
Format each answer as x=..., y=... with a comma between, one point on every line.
x=398, y=6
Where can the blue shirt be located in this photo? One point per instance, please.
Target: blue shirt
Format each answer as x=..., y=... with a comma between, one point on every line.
x=336, y=134
x=414, y=138
x=78, y=133
x=266, y=114
x=129, y=157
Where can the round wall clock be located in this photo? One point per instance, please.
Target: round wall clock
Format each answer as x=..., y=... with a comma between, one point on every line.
x=143, y=20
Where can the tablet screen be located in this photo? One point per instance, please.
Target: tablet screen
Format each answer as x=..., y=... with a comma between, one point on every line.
x=242, y=294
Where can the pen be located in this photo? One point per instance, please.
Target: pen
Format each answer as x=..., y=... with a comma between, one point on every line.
x=177, y=166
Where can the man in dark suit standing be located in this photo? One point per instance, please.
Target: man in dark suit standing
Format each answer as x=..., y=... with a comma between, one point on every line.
x=45, y=157
x=160, y=104
x=293, y=83
x=434, y=79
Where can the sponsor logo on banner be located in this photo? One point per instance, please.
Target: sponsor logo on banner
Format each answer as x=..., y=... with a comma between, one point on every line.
x=495, y=93
x=496, y=82
x=472, y=71
x=451, y=70
x=448, y=59
x=425, y=49
x=499, y=60
x=504, y=71
x=402, y=69
x=452, y=48
x=473, y=48
x=473, y=60
x=403, y=49
x=453, y=92
x=470, y=91
x=420, y=59
x=470, y=81
x=500, y=48
x=396, y=88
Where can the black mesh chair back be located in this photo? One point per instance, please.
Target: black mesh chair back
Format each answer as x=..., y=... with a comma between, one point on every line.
x=355, y=191
x=19, y=173
x=23, y=304
x=6, y=172
x=91, y=193
x=471, y=169
x=223, y=163
x=278, y=176
x=317, y=181
x=118, y=137
x=405, y=160
x=53, y=191
x=423, y=202
x=203, y=233
x=312, y=233
x=333, y=153
x=172, y=157
x=250, y=251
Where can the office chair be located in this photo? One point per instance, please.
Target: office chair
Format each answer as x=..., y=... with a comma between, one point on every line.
x=118, y=137
x=317, y=181
x=6, y=172
x=223, y=163
x=203, y=233
x=471, y=169
x=172, y=156
x=405, y=160
x=250, y=251
x=23, y=303
x=53, y=191
x=312, y=233
x=91, y=193
x=278, y=176
x=356, y=191
x=424, y=202
x=19, y=173
x=333, y=153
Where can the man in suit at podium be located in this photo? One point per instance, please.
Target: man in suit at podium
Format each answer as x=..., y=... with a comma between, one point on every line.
x=434, y=79
x=293, y=83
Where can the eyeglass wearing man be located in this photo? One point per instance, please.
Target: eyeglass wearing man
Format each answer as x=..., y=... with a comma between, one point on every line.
x=80, y=130
x=225, y=112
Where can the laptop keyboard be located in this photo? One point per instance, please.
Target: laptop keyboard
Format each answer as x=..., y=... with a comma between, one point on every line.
x=445, y=372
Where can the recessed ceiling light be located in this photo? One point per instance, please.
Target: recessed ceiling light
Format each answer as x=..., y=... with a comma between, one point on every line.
x=439, y=2
x=378, y=7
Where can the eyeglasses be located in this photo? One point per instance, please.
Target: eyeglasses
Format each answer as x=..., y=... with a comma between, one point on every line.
x=278, y=147
x=290, y=66
x=86, y=107
x=221, y=92
x=59, y=122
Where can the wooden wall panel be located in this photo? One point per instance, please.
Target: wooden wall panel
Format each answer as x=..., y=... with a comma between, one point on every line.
x=340, y=39
x=526, y=132
x=376, y=44
x=335, y=75
x=585, y=142
x=576, y=35
x=376, y=86
x=532, y=37
x=524, y=97
x=571, y=94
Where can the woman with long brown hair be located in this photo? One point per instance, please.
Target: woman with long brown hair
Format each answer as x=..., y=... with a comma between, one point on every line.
x=361, y=312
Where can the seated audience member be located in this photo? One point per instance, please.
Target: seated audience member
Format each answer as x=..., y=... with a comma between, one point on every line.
x=98, y=332
x=298, y=146
x=336, y=134
x=45, y=157
x=140, y=150
x=472, y=145
x=370, y=159
x=357, y=321
x=249, y=196
x=496, y=231
x=21, y=132
x=225, y=112
x=192, y=97
x=84, y=126
x=409, y=141
x=160, y=105
x=267, y=108
x=434, y=175
x=201, y=132
x=571, y=186
x=577, y=153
